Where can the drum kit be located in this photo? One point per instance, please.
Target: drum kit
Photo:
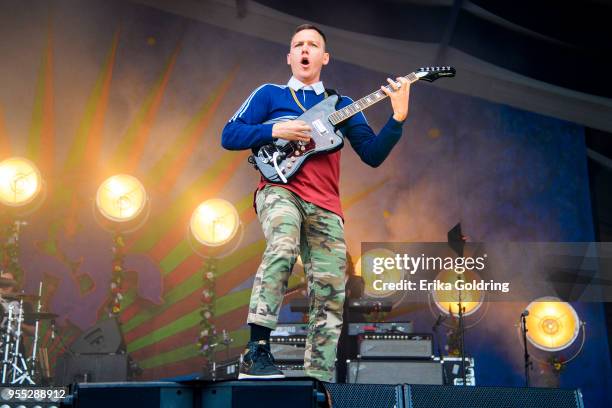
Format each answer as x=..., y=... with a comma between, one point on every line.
x=18, y=322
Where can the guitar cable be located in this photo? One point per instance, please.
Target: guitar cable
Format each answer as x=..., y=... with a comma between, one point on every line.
x=278, y=171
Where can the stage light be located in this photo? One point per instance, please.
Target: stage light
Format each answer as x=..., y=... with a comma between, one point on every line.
x=448, y=300
x=552, y=325
x=20, y=182
x=214, y=222
x=374, y=282
x=121, y=198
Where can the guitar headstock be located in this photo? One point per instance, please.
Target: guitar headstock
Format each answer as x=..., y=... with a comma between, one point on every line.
x=430, y=74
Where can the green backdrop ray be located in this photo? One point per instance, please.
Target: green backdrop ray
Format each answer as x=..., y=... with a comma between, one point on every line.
x=127, y=155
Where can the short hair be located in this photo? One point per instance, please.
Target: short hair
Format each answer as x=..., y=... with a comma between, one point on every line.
x=309, y=27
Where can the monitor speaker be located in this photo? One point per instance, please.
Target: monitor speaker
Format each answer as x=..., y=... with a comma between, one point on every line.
x=425, y=396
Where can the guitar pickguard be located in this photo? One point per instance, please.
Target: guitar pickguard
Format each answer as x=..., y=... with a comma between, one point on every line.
x=283, y=159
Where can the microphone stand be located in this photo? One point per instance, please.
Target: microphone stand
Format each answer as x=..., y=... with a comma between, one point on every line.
x=462, y=340
x=526, y=355
x=437, y=324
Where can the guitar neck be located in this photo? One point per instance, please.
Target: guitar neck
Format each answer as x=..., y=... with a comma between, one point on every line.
x=365, y=102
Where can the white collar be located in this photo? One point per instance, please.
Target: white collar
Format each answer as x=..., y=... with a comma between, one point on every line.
x=296, y=85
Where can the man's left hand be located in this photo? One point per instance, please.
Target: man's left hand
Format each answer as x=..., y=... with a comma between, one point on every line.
x=399, y=97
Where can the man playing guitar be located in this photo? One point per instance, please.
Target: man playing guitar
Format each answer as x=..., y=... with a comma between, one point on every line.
x=304, y=216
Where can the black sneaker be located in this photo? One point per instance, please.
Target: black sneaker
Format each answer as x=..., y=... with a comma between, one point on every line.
x=257, y=362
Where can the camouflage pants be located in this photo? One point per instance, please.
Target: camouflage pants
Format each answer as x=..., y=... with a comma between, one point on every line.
x=293, y=226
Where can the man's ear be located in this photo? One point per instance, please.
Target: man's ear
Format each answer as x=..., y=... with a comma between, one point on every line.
x=288, y=59
x=326, y=58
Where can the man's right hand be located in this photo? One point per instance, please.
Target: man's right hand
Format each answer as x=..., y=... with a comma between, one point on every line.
x=295, y=130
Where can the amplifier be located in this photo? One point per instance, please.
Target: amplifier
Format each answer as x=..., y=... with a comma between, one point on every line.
x=288, y=348
x=355, y=329
x=369, y=306
x=396, y=346
x=394, y=372
x=228, y=370
x=292, y=370
x=452, y=371
x=364, y=306
x=296, y=370
x=290, y=329
x=288, y=342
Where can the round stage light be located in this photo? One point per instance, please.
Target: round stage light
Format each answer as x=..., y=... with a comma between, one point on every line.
x=447, y=301
x=214, y=222
x=374, y=283
x=121, y=198
x=20, y=182
x=552, y=324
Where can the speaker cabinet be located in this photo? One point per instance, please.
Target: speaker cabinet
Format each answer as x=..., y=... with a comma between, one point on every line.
x=365, y=395
x=103, y=338
x=394, y=372
x=90, y=368
x=424, y=396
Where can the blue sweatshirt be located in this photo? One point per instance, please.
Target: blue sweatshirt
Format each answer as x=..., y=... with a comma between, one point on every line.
x=317, y=181
x=245, y=129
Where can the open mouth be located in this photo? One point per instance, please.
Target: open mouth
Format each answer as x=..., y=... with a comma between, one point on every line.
x=304, y=62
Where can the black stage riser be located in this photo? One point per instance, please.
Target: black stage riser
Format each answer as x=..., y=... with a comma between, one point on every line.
x=229, y=394
x=264, y=394
x=134, y=394
x=305, y=394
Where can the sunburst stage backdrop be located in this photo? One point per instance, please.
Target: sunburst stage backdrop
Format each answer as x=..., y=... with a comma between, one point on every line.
x=93, y=89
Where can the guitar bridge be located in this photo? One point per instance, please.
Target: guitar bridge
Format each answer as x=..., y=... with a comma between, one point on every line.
x=266, y=152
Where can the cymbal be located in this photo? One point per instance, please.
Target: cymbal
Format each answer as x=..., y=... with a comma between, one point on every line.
x=40, y=316
x=19, y=296
x=5, y=282
x=34, y=316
